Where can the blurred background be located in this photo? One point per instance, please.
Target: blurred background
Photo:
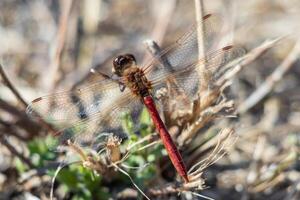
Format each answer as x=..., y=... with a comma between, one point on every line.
x=51, y=45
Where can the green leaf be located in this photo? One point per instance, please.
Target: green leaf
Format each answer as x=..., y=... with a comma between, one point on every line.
x=20, y=166
x=145, y=117
x=146, y=126
x=39, y=147
x=127, y=123
x=68, y=177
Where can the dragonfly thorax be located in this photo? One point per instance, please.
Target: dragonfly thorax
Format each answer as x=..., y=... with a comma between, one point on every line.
x=137, y=82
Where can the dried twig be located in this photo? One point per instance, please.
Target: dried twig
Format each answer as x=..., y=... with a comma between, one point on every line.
x=199, y=9
x=206, y=116
x=59, y=44
x=270, y=82
x=221, y=143
x=132, y=181
x=12, y=149
x=247, y=59
x=260, y=50
x=23, y=120
x=11, y=87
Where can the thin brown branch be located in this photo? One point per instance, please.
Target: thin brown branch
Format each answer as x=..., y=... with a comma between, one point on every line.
x=266, y=87
x=22, y=119
x=246, y=60
x=15, y=152
x=10, y=129
x=205, y=116
x=9, y=84
x=59, y=43
x=260, y=50
x=10, y=109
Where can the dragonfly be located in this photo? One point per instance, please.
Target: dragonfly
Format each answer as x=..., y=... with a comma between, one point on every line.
x=84, y=114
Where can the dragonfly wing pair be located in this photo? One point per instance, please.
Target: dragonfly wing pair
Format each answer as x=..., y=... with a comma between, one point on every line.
x=83, y=114
x=179, y=68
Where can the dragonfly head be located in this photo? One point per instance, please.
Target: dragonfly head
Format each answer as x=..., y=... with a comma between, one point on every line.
x=123, y=62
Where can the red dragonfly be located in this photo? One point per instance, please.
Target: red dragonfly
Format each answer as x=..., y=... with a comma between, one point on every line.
x=84, y=114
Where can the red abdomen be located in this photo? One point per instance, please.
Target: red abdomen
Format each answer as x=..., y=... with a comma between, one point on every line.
x=166, y=138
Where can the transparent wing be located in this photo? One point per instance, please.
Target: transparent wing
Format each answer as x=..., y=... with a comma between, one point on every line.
x=118, y=118
x=189, y=78
x=185, y=50
x=85, y=113
x=78, y=104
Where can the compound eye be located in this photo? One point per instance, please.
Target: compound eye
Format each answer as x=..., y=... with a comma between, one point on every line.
x=122, y=61
x=131, y=57
x=119, y=61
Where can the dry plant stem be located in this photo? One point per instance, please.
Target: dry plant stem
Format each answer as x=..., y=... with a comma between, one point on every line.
x=9, y=129
x=91, y=163
x=173, y=188
x=258, y=51
x=113, y=148
x=199, y=9
x=10, y=109
x=59, y=43
x=225, y=140
x=149, y=145
x=25, y=122
x=222, y=143
x=206, y=116
x=270, y=82
x=144, y=139
x=9, y=84
x=216, y=145
x=15, y=152
x=132, y=181
x=164, y=191
x=265, y=185
x=256, y=157
x=277, y=175
x=247, y=59
x=22, y=120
